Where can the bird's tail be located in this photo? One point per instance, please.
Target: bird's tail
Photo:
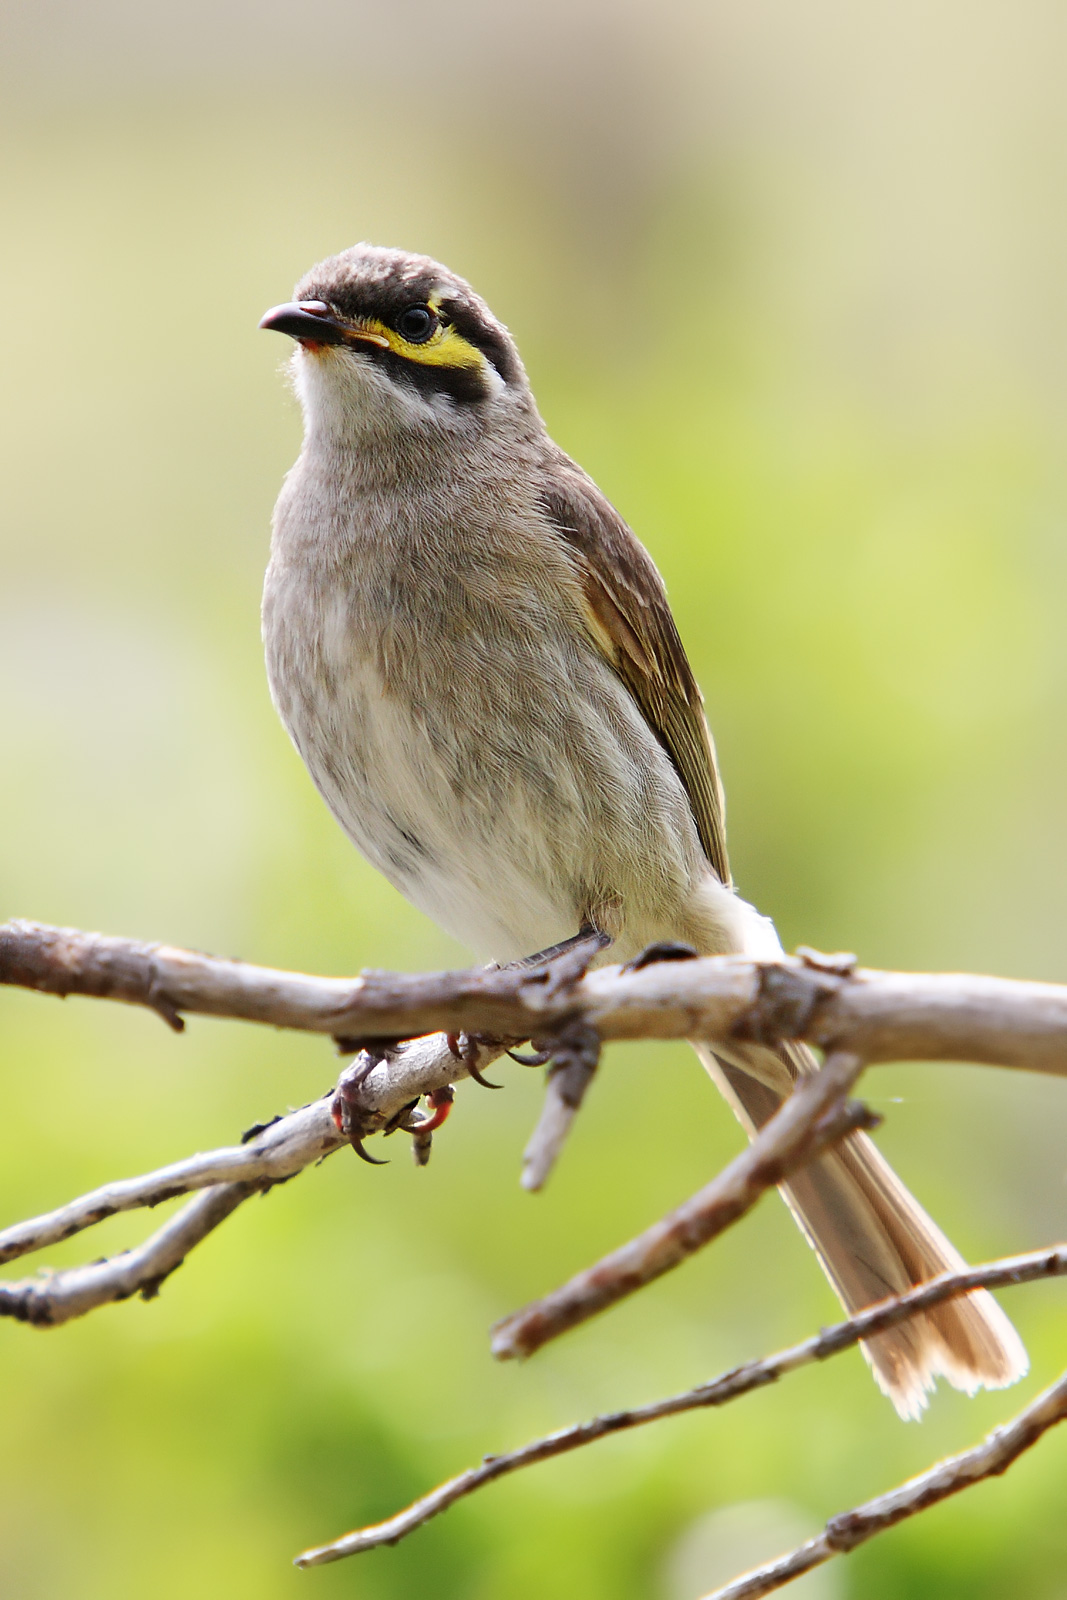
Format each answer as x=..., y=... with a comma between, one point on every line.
x=873, y=1239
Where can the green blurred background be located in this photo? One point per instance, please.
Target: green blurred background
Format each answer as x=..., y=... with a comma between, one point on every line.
x=789, y=280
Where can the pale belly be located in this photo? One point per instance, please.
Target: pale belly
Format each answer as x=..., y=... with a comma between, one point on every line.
x=476, y=865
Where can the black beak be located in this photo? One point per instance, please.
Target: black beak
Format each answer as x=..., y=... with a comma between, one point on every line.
x=307, y=320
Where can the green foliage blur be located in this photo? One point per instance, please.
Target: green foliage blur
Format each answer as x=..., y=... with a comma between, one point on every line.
x=791, y=294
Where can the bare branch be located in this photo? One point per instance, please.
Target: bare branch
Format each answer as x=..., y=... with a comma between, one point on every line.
x=510, y=1002
x=731, y=1385
x=804, y=1125
x=884, y=1014
x=844, y=1532
x=277, y=1153
x=880, y=1016
x=857, y=1017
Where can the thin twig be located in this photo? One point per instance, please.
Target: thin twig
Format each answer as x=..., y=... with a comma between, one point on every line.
x=729, y=1386
x=881, y=1016
x=844, y=1532
x=575, y=1056
x=792, y=1137
x=53, y=1298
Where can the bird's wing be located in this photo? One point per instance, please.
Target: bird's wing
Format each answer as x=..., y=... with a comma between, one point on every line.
x=630, y=622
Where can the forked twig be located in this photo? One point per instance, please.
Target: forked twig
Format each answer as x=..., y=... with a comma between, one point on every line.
x=53, y=1298
x=1036, y=1264
x=281, y=1150
x=227, y=1177
x=278, y=1153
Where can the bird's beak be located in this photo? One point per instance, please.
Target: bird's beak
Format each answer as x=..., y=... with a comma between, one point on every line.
x=309, y=321
x=312, y=322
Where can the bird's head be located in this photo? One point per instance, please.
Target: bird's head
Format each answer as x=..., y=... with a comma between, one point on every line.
x=388, y=340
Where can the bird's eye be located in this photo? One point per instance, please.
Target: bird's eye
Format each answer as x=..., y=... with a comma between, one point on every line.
x=416, y=324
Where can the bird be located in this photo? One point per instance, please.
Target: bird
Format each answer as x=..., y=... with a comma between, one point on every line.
x=477, y=661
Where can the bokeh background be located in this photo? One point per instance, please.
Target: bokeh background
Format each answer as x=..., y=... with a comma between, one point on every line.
x=790, y=281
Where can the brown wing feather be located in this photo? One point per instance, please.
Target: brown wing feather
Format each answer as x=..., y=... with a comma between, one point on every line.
x=630, y=620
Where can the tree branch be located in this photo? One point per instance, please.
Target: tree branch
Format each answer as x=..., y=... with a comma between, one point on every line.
x=880, y=1016
x=884, y=1014
x=731, y=1385
x=285, y=1147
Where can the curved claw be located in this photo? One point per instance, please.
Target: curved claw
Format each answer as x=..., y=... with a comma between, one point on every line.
x=464, y=1050
x=357, y=1144
x=473, y=1072
x=536, y=1058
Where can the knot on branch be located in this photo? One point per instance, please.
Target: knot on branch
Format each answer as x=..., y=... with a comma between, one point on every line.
x=25, y=1302
x=787, y=998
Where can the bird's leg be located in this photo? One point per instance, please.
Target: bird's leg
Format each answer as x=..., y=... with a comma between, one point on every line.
x=562, y=964
x=569, y=960
x=588, y=942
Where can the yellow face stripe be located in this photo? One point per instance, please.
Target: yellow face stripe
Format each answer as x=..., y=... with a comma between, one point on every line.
x=444, y=348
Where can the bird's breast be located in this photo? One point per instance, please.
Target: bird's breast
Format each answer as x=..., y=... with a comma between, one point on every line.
x=468, y=735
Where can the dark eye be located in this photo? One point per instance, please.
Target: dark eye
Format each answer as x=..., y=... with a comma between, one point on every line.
x=416, y=324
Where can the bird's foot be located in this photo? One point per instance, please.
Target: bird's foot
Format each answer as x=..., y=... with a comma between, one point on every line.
x=562, y=964
x=347, y=1109
x=662, y=950
x=536, y=1058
